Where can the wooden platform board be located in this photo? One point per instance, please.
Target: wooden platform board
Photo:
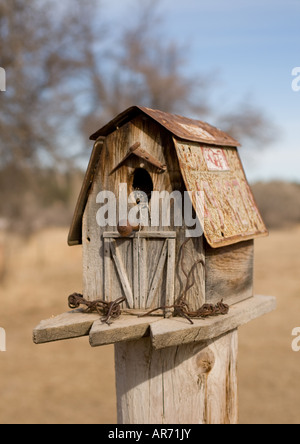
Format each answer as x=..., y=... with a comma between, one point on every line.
x=163, y=332
x=73, y=324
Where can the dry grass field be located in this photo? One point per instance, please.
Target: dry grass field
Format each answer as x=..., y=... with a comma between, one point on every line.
x=70, y=383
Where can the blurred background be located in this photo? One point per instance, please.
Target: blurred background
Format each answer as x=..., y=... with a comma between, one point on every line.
x=70, y=68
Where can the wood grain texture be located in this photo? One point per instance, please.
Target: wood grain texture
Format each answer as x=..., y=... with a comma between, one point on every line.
x=73, y=324
x=176, y=331
x=188, y=384
x=122, y=274
x=142, y=235
x=170, y=278
x=94, y=284
x=97, y=283
x=166, y=333
x=229, y=273
x=157, y=277
x=126, y=328
x=187, y=255
x=163, y=332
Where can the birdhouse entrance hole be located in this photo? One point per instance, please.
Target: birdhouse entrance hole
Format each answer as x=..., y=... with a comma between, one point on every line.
x=142, y=182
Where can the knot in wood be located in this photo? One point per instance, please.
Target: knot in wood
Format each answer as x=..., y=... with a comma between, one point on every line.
x=205, y=362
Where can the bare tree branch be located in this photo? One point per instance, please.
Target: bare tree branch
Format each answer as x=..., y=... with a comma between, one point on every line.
x=250, y=125
x=69, y=72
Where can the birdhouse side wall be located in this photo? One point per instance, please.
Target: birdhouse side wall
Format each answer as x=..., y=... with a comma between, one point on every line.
x=229, y=272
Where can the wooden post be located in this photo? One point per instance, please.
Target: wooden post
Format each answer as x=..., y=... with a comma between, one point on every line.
x=187, y=384
x=167, y=370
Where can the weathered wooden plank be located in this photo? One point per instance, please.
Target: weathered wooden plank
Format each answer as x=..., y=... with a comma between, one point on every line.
x=229, y=273
x=164, y=332
x=149, y=135
x=188, y=384
x=142, y=271
x=125, y=251
x=157, y=275
x=126, y=328
x=136, y=278
x=154, y=252
x=93, y=267
x=69, y=325
x=190, y=255
x=170, y=281
x=142, y=234
x=92, y=258
x=107, y=270
x=122, y=273
x=219, y=386
x=176, y=331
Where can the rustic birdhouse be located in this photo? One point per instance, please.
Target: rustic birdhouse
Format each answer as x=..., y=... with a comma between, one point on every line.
x=143, y=151
x=167, y=222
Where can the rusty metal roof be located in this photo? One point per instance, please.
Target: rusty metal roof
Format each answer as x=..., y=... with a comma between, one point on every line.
x=181, y=127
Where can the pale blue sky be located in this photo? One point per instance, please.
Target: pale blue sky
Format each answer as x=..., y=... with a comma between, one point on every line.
x=253, y=46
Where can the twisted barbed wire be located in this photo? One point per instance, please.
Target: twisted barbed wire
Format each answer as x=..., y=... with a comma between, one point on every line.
x=108, y=310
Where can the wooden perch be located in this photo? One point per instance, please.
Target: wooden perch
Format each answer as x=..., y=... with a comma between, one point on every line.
x=163, y=332
x=73, y=324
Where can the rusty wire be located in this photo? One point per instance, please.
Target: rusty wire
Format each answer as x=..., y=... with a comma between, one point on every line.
x=112, y=310
x=108, y=310
x=181, y=307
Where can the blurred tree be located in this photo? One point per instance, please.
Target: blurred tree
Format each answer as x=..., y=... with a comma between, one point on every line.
x=148, y=69
x=42, y=51
x=62, y=66
x=69, y=71
x=143, y=68
x=249, y=124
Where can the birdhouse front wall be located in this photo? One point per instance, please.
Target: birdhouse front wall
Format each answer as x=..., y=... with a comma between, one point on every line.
x=150, y=268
